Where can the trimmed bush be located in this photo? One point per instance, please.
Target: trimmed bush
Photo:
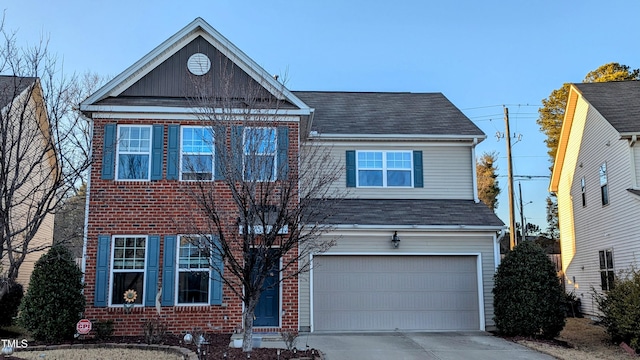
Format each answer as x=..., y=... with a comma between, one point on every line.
x=54, y=302
x=528, y=296
x=10, y=302
x=620, y=307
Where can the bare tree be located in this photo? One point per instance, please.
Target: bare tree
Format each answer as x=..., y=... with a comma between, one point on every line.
x=43, y=146
x=264, y=213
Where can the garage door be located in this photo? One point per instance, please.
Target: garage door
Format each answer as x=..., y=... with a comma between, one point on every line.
x=363, y=293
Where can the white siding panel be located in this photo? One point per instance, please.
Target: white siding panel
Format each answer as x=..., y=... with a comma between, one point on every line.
x=597, y=227
x=447, y=171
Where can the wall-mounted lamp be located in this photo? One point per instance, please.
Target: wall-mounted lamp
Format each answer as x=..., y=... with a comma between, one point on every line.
x=395, y=240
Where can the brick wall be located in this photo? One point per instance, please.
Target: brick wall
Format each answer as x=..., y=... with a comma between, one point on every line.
x=163, y=207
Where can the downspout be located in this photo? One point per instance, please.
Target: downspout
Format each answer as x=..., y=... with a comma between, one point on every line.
x=632, y=155
x=496, y=247
x=86, y=204
x=473, y=167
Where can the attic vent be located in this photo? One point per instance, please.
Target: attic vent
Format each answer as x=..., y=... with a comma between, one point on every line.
x=198, y=64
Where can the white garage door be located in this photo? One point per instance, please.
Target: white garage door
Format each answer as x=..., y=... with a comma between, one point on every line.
x=363, y=293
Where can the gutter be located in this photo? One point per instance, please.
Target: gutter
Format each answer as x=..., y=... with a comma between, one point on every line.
x=474, y=139
x=496, y=247
x=417, y=227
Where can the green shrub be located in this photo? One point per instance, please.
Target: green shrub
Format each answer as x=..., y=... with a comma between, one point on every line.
x=620, y=308
x=10, y=302
x=154, y=331
x=104, y=329
x=528, y=297
x=54, y=302
x=573, y=305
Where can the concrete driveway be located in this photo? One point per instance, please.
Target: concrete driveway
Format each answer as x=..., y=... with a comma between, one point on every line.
x=475, y=345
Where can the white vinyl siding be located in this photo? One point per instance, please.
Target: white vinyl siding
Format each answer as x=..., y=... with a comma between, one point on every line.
x=414, y=242
x=597, y=227
x=447, y=171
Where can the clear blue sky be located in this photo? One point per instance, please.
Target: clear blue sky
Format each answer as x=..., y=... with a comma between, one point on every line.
x=479, y=54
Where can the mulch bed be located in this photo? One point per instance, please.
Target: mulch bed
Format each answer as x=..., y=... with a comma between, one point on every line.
x=218, y=347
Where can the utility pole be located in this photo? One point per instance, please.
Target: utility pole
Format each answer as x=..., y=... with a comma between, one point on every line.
x=523, y=225
x=512, y=218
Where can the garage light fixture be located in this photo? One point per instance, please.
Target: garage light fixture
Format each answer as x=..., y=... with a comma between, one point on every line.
x=395, y=240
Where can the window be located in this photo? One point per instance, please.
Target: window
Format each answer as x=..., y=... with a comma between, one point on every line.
x=193, y=270
x=385, y=168
x=129, y=253
x=582, y=191
x=607, y=275
x=604, y=187
x=196, y=153
x=260, y=154
x=134, y=152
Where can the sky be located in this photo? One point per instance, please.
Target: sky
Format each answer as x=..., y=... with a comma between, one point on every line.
x=482, y=55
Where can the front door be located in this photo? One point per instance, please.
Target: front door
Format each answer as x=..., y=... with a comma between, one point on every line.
x=268, y=308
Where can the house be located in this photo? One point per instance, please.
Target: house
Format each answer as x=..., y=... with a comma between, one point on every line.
x=408, y=167
x=24, y=121
x=596, y=177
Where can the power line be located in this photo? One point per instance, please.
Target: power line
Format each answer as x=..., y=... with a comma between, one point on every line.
x=501, y=105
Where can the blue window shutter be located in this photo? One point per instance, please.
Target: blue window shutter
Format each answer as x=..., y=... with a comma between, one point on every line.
x=102, y=271
x=151, y=277
x=220, y=148
x=156, y=152
x=283, y=153
x=351, y=168
x=238, y=149
x=173, y=148
x=418, y=178
x=109, y=152
x=169, y=270
x=216, y=279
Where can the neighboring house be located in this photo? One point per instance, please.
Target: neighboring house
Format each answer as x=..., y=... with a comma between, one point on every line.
x=409, y=163
x=596, y=177
x=24, y=135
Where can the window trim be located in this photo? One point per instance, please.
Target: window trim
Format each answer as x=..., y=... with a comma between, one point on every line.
x=182, y=153
x=609, y=268
x=385, y=169
x=178, y=271
x=113, y=270
x=119, y=152
x=274, y=173
x=604, y=185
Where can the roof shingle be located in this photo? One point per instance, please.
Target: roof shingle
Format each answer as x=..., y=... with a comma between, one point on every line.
x=411, y=212
x=617, y=101
x=386, y=113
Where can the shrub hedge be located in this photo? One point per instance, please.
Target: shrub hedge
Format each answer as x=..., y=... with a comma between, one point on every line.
x=528, y=297
x=620, y=307
x=54, y=302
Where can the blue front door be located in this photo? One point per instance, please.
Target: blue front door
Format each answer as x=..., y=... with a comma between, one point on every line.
x=268, y=308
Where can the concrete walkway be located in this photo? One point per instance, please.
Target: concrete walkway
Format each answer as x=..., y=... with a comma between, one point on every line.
x=475, y=345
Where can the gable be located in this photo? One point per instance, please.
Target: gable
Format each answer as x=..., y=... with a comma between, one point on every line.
x=161, y=79
x=172, y=79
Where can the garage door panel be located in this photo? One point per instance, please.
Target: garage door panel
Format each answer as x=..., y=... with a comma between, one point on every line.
x=353, y=293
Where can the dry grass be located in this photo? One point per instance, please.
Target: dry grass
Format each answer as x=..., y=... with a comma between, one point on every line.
x=588, y=341
x=96, y=354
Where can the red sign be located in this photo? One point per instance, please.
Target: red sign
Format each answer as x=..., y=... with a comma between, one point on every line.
x=83, y=326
